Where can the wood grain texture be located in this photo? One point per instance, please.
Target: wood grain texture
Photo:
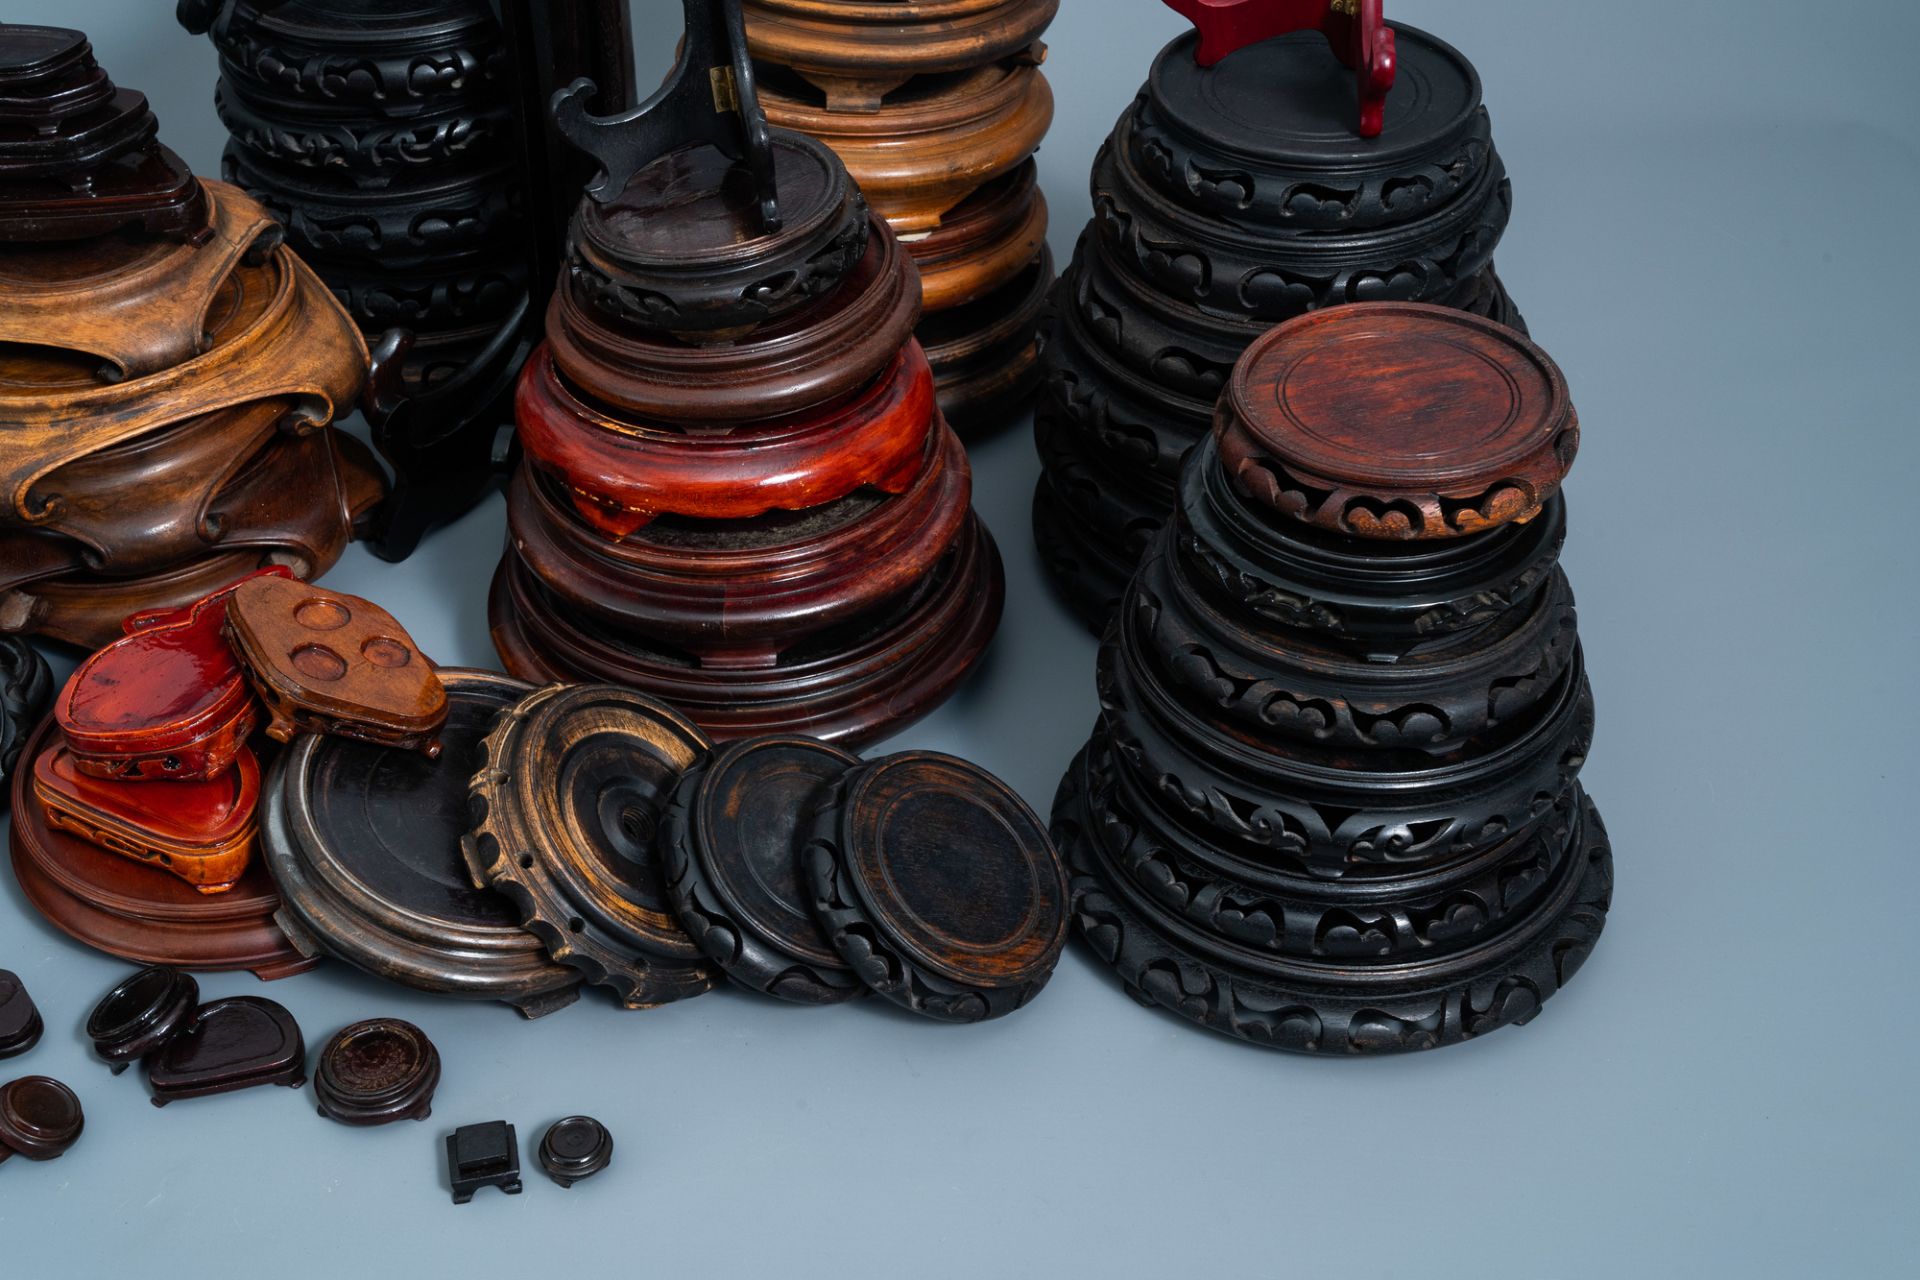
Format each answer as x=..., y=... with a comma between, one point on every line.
x=1227, y=199
x=114, y=904
x=984, y=243
x=680, y=250
x=79, y=155
x=326, y=662
x=851, y=684
x=1398, y=420
x=364, y=842
x=201, y=831
x=734, y=596
x=622, y=474
x=938, y=885
x=857, y=51
x=275, y=332
x=828, y=349
x=732, y=855
x=566, y=806
x=141, y=306
x=376, y=1072
x=932, y=144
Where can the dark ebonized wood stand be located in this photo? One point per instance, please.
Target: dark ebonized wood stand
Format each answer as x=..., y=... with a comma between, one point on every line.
x=937, y=110
x=1332, y=802
x=385, y=140
x=1228, y=199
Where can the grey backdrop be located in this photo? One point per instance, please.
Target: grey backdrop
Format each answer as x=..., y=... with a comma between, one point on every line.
x=1714, y=234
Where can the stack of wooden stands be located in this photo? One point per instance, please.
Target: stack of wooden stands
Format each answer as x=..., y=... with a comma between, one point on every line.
x=738, y=492
x=937, y=107
x=1331, y=804
x=168, y=368
x=1229, y=198
x=136, y=803
x=385, y=139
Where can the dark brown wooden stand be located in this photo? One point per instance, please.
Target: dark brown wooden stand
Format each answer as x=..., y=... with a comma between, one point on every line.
x=1229, y=198
x=1332, y=802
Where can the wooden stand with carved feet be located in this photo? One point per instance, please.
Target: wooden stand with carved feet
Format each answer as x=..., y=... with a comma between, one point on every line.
x=738, y=491
x=169, y=370
x=1332, y=802
x=1232, y=196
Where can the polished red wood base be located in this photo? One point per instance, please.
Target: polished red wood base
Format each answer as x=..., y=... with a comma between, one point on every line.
x=115, y=905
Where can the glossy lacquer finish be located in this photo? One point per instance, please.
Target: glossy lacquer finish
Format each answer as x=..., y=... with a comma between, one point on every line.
x=168, y=700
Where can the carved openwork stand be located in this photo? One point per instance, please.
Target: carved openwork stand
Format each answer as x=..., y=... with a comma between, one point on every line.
x=1231, y=197
x=738, y=492
x=937, y=110
x=1332, y=801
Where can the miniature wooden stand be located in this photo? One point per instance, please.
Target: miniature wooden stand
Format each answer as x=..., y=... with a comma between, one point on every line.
x=1332, y=801
x=738, y=492
x=241, y=1042
x=329, y=663
x=376, y=1072
x=1232, y=196
x=936, y=110
x=168, y=700
x=168, y=368
x=40, y=1118
x=139, y=1015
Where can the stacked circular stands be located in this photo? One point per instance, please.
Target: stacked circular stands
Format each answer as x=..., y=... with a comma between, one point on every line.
x=1230, y=198
x=169, y=370
x=1332, y=802
x=738, y=492
x=937, y=107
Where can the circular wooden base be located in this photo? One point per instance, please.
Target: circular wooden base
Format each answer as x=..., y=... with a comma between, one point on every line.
x=984, y=244
x=1330, y=1005
x=138, y=913
x=986, y=353
x=850, y=686
x=928, y=147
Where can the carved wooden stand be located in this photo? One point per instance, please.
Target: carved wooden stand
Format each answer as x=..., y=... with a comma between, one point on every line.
x=937, y=110
x=1229, y=198
x=168, y=368
x=1332, y=801
x=739, y=493
x=387, y=145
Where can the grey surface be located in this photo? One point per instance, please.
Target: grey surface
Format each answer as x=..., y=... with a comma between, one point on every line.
x=1713, y=233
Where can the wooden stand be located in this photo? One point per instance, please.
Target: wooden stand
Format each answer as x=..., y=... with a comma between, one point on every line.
x=113, y=904
x=1332, y=801
x=1229, y=198
x=739, y=494
x=170, y=373
x=937, y=110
